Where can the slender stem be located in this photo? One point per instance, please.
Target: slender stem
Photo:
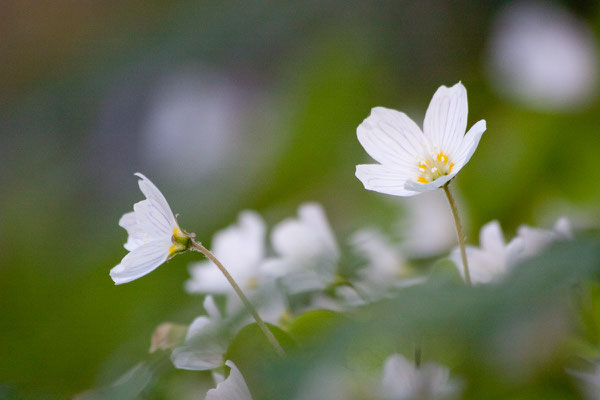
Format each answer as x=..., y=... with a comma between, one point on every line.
x=198, y=247
x=459, y=232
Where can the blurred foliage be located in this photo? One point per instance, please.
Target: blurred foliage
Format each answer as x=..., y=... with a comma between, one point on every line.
x=65, y=172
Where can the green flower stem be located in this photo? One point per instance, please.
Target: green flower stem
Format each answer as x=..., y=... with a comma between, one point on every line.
x=459, y=232
x=270, y=337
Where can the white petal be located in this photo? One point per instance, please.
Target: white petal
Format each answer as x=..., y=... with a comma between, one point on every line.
x=232, y=388
x=424, y=187
x=563, y=228
x=491, y=239
x=129, y=222
x=313, y=215
x=188, y=357
x=241, y=246
x=211, y=308
x=197, y=327
x=469, y=144
x=153, y=194
x=399, y=378
x=206, y=278
x=141, y=261
x=446, y=118
x=391, y=138
x=382, y=179
x=152, y=224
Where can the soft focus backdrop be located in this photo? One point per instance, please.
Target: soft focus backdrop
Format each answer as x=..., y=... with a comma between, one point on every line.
x=254, y=105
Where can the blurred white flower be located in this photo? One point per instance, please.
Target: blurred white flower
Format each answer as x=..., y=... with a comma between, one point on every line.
x=402, y=380
x=232, y=388
x=241, y=248
x=306, y=251
x=153, y=235
x=428, y=228
x=386, y=267
x=414, y=161
x=536, y=239
x=589, y=381
x=494, y=258
x=204, y=347
x=543, y=55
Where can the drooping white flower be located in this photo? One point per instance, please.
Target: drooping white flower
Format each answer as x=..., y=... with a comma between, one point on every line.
x=306, y=251
x=204, y=347
x=153, y=235
x=402, y=380
x=494, y=257
x=232, y=388
x=536, y=239
x=412, y=161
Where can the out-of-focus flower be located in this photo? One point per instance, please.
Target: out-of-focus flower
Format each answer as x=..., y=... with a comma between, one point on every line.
x=306, y=249
x=543, y=56
x=494, y=258
x=589, y=381
x=167, y=336
x=241, y=248
x=536, y=239
x=428, y=228
x=402, y=380
x=204, y=347
x=414, y=161
x=232, y=388
x=385, y=268
x=154, y=235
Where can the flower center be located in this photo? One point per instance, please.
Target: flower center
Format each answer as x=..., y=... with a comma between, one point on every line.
x=434, y=167
x=181, y=242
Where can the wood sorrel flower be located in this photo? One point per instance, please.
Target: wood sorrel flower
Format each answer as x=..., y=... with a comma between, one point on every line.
x=154, y=236
x=412, y=161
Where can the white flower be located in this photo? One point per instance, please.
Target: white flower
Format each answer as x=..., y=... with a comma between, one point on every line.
x=232, y=388
x=403, y=381
x=589, y=381
x=241, y=249
x=154, y=235
x=307, y=252
x=544, y=56
x=536, y=239
x=494, y=258
x=427, y=227
x=414, y=161
x=386, y=267
x=202, y=349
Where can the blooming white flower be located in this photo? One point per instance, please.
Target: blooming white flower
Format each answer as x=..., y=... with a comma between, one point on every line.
x=307, y=252
x=414, y=161
x=232, y=388
x=494, y=258
x=207, y=355
x=535, y=239
x=402, y=380
x=154, y=236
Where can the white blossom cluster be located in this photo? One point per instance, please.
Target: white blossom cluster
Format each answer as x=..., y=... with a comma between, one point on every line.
x=297, y=265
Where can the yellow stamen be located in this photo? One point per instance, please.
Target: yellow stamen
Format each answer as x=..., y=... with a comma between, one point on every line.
x=422, y=180
x=173, y=248
x=450, y=168
x=422, y=166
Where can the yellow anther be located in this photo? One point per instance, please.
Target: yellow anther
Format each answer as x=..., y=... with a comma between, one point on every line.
x=422, y=179
x=450, y=168
x=422, y=166
x=173, y=248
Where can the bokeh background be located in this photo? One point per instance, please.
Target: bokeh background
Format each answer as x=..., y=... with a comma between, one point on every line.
x=253, y=105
